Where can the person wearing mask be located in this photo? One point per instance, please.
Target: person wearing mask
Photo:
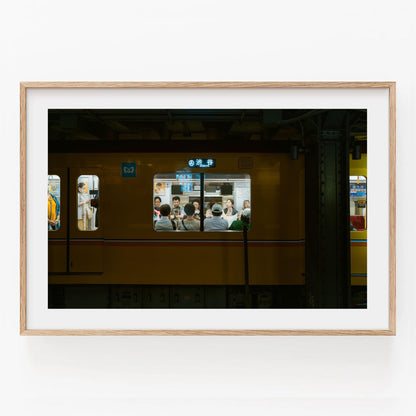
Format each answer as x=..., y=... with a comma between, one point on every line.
x=215, y=223
x=189, y=223
x=165, y=223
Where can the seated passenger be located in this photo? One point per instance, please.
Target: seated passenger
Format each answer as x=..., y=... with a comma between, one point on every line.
x=177, y=210
x=196, y=205
x=238, y=225
x=189, y=223
x=229, y=207
x=230, y=213
x=215, y=223
x=164, y=224
x=246, y=204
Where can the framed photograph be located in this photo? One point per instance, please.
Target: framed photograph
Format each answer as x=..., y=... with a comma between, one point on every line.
x=273, y=208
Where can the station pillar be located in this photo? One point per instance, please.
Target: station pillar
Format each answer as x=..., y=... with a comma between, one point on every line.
x=328, y=267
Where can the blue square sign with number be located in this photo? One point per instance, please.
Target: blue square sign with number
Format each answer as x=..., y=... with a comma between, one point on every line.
x=128, y=170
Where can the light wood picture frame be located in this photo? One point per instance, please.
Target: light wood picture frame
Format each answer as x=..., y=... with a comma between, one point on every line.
x=355, y=87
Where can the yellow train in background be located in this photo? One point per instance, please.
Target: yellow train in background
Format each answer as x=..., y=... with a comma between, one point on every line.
x=122, y=250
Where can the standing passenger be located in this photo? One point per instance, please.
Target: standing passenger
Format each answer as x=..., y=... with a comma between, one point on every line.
x=83, y=201
x=215, y=223
x=54, y=211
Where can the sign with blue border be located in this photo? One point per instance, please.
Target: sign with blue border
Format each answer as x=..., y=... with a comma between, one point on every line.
x=128, y=170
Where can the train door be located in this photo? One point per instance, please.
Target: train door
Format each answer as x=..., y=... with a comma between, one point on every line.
x=86, y=227
x=57, y=220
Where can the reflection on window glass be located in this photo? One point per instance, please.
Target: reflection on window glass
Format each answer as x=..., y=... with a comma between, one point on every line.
x=87, y=199
x=54, y=202
x=358, y=203
x=177, y=202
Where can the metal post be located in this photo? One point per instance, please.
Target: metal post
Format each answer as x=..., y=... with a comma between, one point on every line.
x=246, y=276
x=328, y=269
x=201, y=205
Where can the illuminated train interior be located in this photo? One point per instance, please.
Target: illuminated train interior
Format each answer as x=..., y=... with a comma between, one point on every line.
x=207, y=208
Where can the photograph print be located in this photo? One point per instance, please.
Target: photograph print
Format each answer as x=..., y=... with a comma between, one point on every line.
x=207, y=208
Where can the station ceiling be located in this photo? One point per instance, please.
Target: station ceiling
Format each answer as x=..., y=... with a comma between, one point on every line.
x=116, y=128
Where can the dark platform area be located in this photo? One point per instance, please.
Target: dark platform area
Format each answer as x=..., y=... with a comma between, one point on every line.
x=183, y=297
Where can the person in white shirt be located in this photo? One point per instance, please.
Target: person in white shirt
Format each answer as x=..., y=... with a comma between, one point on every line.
x=83, y=200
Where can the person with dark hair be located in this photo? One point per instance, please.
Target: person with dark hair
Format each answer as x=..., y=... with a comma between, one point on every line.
x=189, y=223
x=83, y=205
x=229, y=207
x=156, y=208
x=230, y=213
x=215, y=223
x=165, y=223
x=177, y=209
x=238, y=225
x=197, y=213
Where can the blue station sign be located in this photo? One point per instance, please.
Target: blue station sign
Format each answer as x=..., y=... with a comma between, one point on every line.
x=201, y=163
x=128, y=170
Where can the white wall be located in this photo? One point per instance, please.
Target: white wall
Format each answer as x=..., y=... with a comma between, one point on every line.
x=319, y=40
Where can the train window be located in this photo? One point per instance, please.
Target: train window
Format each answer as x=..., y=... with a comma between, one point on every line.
x=87, y=200
x=181, y=202
x=54, y=202
x=358, y=203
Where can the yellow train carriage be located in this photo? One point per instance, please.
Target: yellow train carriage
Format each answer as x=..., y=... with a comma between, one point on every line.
x=125, y=249
x=358, y=168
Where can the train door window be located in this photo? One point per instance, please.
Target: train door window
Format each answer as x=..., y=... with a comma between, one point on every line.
x=54, y=202
x=358, y=203
x=87, y=201
x=177, y=201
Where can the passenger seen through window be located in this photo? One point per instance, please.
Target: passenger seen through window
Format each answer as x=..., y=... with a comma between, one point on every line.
x=156, y=208
x=165, y=223
x=54, y=206
x=190, y=223
x=87, y=197
x=216, y=223
x=177, y=210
